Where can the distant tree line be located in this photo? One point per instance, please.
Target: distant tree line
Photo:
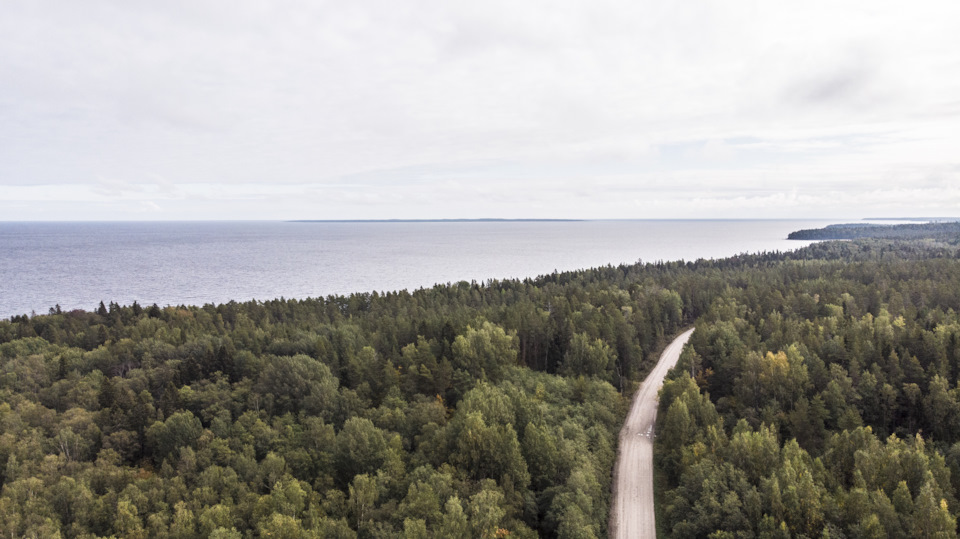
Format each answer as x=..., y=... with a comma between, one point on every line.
x=949, y=231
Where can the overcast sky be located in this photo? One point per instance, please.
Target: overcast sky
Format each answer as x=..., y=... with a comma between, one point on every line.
x=379, y=110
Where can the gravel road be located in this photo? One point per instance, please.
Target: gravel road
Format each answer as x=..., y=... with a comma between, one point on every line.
x=632, y=514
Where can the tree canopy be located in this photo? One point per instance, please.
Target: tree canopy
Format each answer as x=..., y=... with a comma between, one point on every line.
x=819, y=395
x=461, y=410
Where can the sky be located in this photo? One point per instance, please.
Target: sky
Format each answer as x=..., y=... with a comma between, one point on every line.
x=638, y=109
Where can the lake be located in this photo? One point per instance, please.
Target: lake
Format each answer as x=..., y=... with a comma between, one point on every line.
x=76, y=265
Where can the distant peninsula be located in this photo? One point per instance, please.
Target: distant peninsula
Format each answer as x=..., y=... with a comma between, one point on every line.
x=487, y=220
x=944, y=231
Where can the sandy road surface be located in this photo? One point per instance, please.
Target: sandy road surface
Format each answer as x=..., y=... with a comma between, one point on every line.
x=632, y=513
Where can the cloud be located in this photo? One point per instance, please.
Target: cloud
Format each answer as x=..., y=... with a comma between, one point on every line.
x=377, y=108
x=839, y=86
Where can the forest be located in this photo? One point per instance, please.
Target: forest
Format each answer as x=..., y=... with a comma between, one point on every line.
x=942, y=232
x=463, y=410
x=819, y=396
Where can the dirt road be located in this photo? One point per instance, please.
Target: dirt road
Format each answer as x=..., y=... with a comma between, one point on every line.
x=632, y=513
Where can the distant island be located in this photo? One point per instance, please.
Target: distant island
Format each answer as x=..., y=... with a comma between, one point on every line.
x=486, y=220
x=943, y=231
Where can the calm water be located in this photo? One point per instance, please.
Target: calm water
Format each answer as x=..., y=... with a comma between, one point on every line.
x=79, y=264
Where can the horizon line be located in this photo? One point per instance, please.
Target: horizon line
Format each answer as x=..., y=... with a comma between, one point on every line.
x=456, y=220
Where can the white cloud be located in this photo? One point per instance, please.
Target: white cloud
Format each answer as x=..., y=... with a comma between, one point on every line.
x=435, y=109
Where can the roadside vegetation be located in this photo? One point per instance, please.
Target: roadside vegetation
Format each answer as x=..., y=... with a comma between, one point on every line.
x=820, y=398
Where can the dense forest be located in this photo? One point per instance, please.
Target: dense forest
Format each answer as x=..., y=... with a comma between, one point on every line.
x=464, y=410
x=939, y=231
x=819, y=397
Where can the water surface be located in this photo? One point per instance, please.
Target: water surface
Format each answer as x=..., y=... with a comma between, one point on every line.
x=76, y=265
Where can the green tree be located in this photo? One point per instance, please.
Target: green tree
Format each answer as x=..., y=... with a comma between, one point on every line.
x=182, y=429
x=588, y=358
x=485, y=352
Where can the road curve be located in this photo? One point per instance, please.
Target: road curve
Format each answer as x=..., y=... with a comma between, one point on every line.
x=631, y=513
